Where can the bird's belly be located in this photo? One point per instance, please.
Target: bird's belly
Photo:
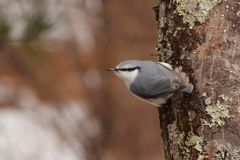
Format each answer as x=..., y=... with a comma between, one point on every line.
x=155, y=101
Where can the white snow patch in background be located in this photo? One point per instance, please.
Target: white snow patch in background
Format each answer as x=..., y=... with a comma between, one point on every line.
x=34, y=130
x=22, y=137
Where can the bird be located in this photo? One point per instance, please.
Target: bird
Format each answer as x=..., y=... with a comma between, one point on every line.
x=153, y=82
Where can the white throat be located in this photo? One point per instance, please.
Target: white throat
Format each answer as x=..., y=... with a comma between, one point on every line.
x=127, y=76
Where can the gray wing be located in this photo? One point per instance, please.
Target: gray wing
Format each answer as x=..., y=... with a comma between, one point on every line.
x=166, y=83
x=164, y=87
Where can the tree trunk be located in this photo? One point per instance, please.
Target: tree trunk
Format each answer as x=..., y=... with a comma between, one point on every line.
x=200, y=38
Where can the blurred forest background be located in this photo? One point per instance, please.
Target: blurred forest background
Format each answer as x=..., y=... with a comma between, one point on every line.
x=57, y=100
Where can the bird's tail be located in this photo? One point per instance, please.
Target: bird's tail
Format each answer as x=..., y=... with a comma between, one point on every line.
x=188, y=88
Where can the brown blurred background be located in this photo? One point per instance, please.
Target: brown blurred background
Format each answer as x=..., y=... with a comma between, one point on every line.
x=57, y=100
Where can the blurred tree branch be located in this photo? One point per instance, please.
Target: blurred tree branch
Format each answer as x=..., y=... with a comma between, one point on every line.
x=5, y=28
x=36, y=22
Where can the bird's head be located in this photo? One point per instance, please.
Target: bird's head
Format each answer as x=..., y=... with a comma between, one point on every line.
x=127, y=71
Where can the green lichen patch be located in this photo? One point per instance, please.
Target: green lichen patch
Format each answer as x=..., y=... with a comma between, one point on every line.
x=235, y=155
x=195, y=141
x=222, y=153
x=186, y=156
x=201, y=157
x=225, y=98
x=177, y=140
x=164, y=51
x=194, y=10
x=162, y=22
x=174, y=135
x=217, y=113
x=176, y=31
x=208, y=101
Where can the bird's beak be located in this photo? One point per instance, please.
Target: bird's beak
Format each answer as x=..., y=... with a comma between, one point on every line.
x=111, y=69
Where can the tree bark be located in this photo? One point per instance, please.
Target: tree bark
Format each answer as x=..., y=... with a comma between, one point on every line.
x=200, y=38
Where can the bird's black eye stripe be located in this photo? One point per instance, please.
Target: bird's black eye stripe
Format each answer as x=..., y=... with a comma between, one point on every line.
x=127, y=69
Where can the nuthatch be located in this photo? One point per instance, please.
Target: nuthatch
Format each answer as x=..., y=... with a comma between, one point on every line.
x=150, y=81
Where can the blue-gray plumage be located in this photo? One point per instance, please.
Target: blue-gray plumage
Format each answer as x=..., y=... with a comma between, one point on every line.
x=151, y=81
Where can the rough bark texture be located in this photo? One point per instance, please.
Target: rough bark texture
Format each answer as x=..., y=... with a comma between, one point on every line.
x=200, y=38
